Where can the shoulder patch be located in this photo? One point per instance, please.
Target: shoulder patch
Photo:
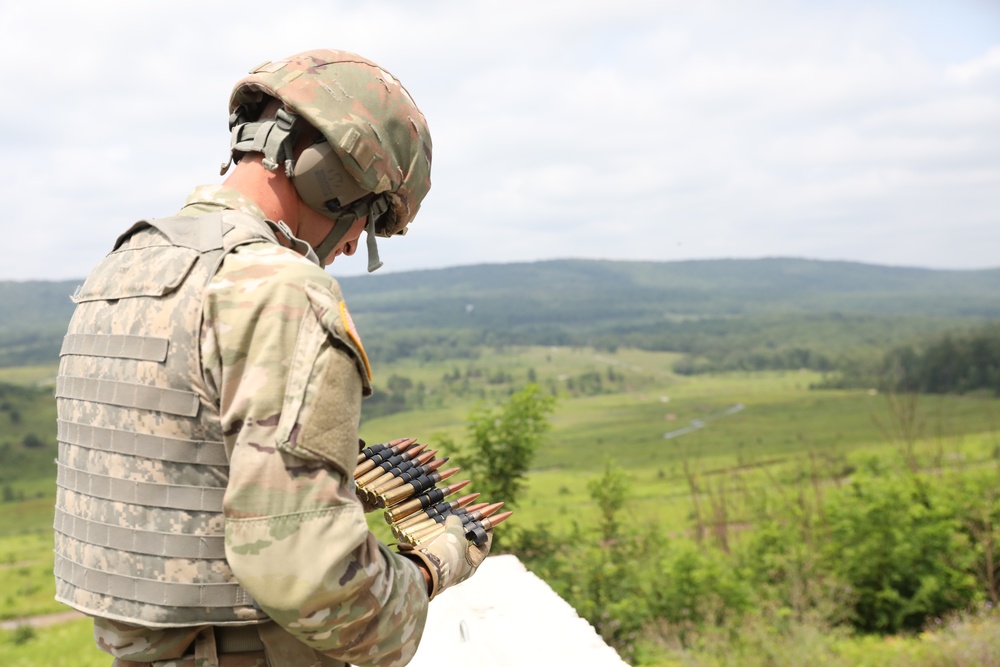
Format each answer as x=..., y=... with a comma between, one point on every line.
x=352, y=331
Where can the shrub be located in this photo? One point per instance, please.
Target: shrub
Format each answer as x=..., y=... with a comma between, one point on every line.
x=22, y=635
x=898, y=544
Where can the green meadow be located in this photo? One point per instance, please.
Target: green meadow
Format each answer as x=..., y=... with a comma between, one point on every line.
x=781, y=428
x=702, y=454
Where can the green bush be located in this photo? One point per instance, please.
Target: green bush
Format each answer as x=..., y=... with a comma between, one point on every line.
x=22, y=635
x=898, y=543
x=697, y=585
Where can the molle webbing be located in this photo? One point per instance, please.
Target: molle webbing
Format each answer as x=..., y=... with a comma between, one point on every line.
x=128, y=395
x=160, y=593
x=149, y=542
x=148, y=494
x=142, y=467
x=146, y=348
x=141, y=444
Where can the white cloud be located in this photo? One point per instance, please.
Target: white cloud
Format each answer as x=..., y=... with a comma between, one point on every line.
x=968, y=72
x=628, y=130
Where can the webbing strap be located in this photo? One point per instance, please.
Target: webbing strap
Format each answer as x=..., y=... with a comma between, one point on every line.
x=144, y=348
x=162, y=593
x=272, y=137
x=128, y=395
x=374, y=263
x=149, y=494
x=144, y=445
x=340, y=228
x=153, y=543
x=201, y=233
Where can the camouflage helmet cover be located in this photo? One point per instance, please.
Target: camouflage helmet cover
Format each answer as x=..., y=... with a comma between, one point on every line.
x=365, y=114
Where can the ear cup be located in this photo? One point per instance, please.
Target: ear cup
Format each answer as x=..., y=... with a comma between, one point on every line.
x=322, y=181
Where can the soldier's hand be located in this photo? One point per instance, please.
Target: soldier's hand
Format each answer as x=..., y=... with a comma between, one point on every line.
x=449, y=558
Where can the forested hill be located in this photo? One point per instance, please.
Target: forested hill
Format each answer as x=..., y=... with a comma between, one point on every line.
x=664, y=305
x=567, y=292
x=33, y=318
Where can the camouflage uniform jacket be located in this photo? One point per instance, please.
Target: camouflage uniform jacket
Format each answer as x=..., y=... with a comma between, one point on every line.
x=287, y=372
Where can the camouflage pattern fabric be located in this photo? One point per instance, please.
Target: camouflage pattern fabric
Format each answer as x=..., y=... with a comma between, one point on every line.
x=346, y=97
x=142, y=468
x=287, y=378
x=450, y=557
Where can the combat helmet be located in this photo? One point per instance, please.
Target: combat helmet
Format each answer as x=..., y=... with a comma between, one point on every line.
x=374, y=157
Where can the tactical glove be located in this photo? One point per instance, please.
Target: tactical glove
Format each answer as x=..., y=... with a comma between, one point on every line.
x=449, y=558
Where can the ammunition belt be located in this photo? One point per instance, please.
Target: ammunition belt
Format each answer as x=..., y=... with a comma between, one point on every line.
x=401, y=476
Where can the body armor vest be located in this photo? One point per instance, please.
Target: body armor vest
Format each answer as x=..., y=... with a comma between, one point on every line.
x=142, y=469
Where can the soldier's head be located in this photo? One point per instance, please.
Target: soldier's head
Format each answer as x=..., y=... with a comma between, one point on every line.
x=347, y=135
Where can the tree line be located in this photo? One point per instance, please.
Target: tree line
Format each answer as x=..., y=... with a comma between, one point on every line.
x=958, y=362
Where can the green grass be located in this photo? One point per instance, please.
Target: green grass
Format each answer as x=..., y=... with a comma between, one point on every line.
x=28, y=589
x=28, y=517
x=786, y=438
x=786, y=434
x=26, y=584
x=63, y=644
x=965, y=640
x=27, y=441
x=29, y=376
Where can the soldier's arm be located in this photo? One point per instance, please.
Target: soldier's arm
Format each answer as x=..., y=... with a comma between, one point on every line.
x=289, y=378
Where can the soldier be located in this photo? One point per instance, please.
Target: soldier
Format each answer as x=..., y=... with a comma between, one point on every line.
x=209, y=398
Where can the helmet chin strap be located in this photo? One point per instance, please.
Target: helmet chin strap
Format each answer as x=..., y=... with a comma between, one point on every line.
x=373, y=261
x=340, y=228
x=343, y=225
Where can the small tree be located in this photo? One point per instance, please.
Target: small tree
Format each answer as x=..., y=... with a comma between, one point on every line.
x=610, y=491
x=503, y=442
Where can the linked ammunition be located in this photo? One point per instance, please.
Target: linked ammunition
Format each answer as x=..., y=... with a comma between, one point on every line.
x=434, y=510
x=492, y=522
x=475, y=532
x=393, y=479
x=388, y=458
x=460, y=512
x=395, y=473
x=412, y=458
x=371, y=451
x=472, y=515
x=401, y=477
x=390, y=464
x=422, y=501
x=437, y=519
x=414, y=487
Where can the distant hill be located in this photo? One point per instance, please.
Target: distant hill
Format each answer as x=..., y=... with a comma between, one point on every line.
x=33, y=317
x=664, y=305
x=586, y=291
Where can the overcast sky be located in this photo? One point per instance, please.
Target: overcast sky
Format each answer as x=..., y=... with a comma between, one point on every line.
x=626, y=129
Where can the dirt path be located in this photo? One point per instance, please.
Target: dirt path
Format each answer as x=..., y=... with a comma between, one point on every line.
x=703, y=422
x=41, y=621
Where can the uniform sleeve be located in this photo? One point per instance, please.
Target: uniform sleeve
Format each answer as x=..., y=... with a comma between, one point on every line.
x=279, y=350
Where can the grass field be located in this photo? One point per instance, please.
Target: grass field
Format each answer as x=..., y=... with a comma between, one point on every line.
x=63, y=644
x=761, y=433
x=42, y=375
x=783, y=432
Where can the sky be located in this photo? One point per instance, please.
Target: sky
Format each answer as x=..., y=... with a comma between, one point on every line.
x=865, y=131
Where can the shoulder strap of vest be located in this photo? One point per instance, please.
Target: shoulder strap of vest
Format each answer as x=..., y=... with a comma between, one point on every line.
x=222, y=230
x=202, y=233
